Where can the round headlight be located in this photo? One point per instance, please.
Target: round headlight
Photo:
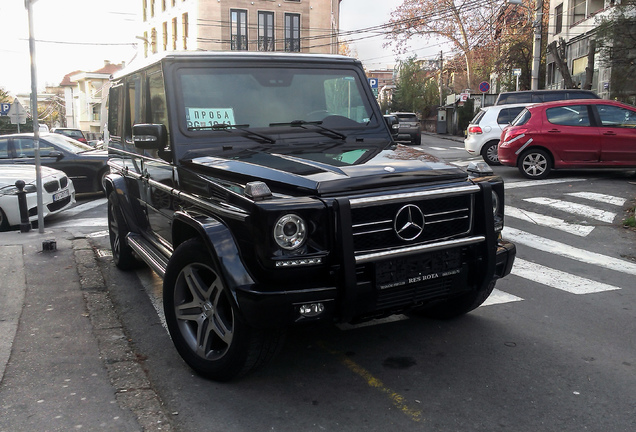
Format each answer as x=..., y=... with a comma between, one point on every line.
x=290, y=232
x=495, y=202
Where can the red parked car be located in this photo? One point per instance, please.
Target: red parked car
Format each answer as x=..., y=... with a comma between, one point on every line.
x=580, y=133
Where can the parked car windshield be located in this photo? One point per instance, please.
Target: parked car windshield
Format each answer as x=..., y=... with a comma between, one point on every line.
x=271, y=96
x=68, y=144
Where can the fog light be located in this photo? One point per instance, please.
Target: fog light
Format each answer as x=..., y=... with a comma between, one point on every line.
x=312, y=309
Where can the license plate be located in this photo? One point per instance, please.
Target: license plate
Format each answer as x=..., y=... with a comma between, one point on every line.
x=61, y=195
x=417, y=269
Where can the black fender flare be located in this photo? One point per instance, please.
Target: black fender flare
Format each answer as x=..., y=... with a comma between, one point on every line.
x=220, y=242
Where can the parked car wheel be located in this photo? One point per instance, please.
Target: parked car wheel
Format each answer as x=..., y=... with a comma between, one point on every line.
x=489, y=153
x=4, y=222
x=457, y=306
x=118, y=229
x=204, y=322
x=535, y=164
x=418, y=139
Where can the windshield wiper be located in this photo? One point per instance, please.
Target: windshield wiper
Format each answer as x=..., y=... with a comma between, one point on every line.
x=323, y=130
x=241, y=127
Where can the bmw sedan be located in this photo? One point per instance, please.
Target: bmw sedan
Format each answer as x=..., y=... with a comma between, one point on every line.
x=58, y=193
x=584, y=133
x=84, y=165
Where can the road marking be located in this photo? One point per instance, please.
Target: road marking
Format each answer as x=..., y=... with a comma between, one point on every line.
x=579, y=209
x=548, y=221
x=83, y=222
x=396, y=399
x=458, y=148
x=437, y=148
x=567, y=251
x=558, y=279
x=522, y=184
x=84, y=207
x=592, y=196
x=499, y=297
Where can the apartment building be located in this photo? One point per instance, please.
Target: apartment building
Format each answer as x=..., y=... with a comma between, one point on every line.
x=308, y=26
x=575, y=21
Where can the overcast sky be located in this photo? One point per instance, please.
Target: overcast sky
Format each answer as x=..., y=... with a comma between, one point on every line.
x=106, y=22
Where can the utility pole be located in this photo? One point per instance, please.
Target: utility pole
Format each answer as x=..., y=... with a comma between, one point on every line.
x=536, y=45
x=441, y=71
x=34, y=115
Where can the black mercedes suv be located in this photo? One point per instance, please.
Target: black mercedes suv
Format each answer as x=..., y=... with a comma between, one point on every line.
x=267, y=192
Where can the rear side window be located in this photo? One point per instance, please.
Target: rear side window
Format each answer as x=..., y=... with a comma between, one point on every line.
x=478, y=117
x=522, y=118
x=513, y=98
x=507, y=115
x=570, y=115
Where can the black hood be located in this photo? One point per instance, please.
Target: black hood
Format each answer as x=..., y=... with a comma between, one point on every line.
x=328, y=171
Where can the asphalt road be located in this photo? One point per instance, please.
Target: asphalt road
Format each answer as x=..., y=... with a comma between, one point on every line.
x=552, y=350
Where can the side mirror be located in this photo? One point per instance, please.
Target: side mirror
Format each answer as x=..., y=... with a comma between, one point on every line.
x=150, y=136
x=58, y=155
x=393, y=124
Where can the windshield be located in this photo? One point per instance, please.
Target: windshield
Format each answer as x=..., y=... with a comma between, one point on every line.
x=68, y=144
x=272, y=97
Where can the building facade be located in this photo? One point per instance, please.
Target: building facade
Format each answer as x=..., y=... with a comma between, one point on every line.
x=308, y=26
x=575, y=21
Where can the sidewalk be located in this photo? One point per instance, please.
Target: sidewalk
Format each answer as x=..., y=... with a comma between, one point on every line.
x=65, y=363
x=445, y=136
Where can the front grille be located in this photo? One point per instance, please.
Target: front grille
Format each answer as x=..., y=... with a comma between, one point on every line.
x=445, y=216
x=51, y=186
x=59, y=204
x=414, y=294
x=63, y=182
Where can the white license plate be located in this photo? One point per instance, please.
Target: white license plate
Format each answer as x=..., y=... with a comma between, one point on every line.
x=61, y=195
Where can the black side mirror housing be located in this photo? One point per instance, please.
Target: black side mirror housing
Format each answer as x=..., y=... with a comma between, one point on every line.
x=150, y=136
x=393, y=124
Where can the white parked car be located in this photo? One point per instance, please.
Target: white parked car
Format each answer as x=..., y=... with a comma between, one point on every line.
x=58, y=193
x=484, y=130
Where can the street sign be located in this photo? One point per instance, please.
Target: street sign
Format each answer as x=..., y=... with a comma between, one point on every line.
x=373, y=82
x=4, y=108
x=463, y=97
x=17, y=113
x=516, y=71
x=484, y=87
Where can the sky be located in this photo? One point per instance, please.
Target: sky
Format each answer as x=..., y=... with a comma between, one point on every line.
x=82, y=34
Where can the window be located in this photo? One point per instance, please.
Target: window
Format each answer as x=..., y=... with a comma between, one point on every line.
x=570, y=115
x=613, y=116
x=163, y=5
x=184, y=30
x=292, y=32
x=157, y=95
x=4, y=148
x=133, y=115
x=507, y=115
x=265, y=31
x=558, y=19
x=153, y=41
x=551, y=68
x=152, y=8
x=578, y=11
x=238, y=23
x=174, y=34
x=165, y=36
x=114, y=96
x=145, y=10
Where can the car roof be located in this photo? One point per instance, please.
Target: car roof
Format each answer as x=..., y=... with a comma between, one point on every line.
x=231, y=56
x=568, y=102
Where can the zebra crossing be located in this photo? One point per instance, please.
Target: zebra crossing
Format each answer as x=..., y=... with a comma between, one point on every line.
x=578, y=220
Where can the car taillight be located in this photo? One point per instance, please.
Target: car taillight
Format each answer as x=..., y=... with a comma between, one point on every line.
x=510, y=136
x=474, y=130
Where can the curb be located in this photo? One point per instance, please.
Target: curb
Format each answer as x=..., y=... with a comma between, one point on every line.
x=133, y=390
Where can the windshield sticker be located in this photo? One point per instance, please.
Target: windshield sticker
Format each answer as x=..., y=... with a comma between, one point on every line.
x=202, y=117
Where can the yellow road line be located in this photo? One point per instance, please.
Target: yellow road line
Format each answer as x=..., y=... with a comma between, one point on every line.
x=397, y=399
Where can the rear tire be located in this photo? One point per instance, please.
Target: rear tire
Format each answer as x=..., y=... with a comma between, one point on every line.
x=204, y=321
x=457, y=306
x=489, y=153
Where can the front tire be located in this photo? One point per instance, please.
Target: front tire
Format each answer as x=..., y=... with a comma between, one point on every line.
x=535, y=164
x=456, y=306
x=204, y=321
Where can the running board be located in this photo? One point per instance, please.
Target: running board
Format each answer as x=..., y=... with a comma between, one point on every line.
x=148, y=253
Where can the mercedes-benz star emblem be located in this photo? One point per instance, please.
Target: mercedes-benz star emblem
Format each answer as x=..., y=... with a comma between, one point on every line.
x=409, y=222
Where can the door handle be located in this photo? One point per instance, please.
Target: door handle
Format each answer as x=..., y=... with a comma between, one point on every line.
x=554, y=131
x=610, y=133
